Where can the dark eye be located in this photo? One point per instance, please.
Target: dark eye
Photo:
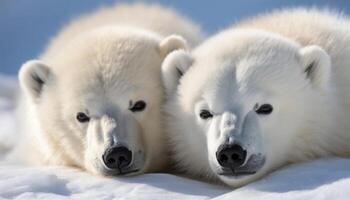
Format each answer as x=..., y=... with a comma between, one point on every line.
x=205, y=114
x=82, y=117
x=138, y=106
x=264, y=109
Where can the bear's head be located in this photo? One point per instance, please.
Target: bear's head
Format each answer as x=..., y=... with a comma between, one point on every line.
x=240, y=104
x=98, y=100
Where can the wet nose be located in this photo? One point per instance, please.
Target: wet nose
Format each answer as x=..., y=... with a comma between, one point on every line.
x=117, y=157
x=231, y=156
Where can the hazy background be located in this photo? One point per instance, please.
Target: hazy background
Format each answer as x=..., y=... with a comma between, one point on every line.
x=27, y=25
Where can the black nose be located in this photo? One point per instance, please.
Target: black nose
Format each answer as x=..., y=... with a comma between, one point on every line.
x=117, y=157
x=231, y=156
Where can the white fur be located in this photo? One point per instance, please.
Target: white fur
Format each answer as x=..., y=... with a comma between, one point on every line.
x=100, y=64
x=262, y=60
x=175, y=65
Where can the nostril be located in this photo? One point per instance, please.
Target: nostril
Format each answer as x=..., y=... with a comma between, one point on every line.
x=121, y=159
x=236, y=156
x=111, y=161
x=223, y=158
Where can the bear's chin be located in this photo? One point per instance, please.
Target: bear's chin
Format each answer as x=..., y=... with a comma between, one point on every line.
x=240, y=180
x=130, y=171
x=248, y=172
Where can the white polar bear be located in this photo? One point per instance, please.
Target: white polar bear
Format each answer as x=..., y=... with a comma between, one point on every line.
x=94, y=99
x=271, y=91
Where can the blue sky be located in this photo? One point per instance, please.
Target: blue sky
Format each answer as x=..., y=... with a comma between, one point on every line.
x=27, y=25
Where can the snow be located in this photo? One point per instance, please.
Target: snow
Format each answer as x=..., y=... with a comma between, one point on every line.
x=58, y=182
x=321, y=179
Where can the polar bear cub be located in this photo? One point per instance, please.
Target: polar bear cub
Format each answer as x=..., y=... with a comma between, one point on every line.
x=94, y=98
x=270, y=91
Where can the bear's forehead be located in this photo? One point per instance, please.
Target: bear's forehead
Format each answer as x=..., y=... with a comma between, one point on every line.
x=106, y=80
x=251, y=63
x=106, y=51
x=102, y=90
x=242, y=42
x=263, y=73
x=110, y=60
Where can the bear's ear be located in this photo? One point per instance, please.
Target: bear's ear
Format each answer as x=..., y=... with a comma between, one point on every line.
x=316, y=65
x=171, y=43
x=173, y=67
x=33, y=75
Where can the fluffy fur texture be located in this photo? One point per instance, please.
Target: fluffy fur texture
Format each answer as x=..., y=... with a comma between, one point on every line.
x=295, y=60
x=101, y=65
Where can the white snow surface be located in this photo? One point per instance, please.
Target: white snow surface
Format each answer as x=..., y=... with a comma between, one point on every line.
x=321, y=179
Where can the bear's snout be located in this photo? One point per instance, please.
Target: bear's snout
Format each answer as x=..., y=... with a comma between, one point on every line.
x=117, y=158
x=231, y=156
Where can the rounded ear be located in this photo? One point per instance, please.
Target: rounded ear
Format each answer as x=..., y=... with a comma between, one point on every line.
x=316, y=65
x=173, y=67
x=33, y=75
x=171, y=43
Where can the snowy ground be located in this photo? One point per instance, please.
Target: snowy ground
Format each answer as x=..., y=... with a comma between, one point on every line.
x=323, y=179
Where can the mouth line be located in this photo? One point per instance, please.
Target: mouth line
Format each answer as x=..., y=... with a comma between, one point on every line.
x=128, y=172
x=121, y=172
x=236, y=174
